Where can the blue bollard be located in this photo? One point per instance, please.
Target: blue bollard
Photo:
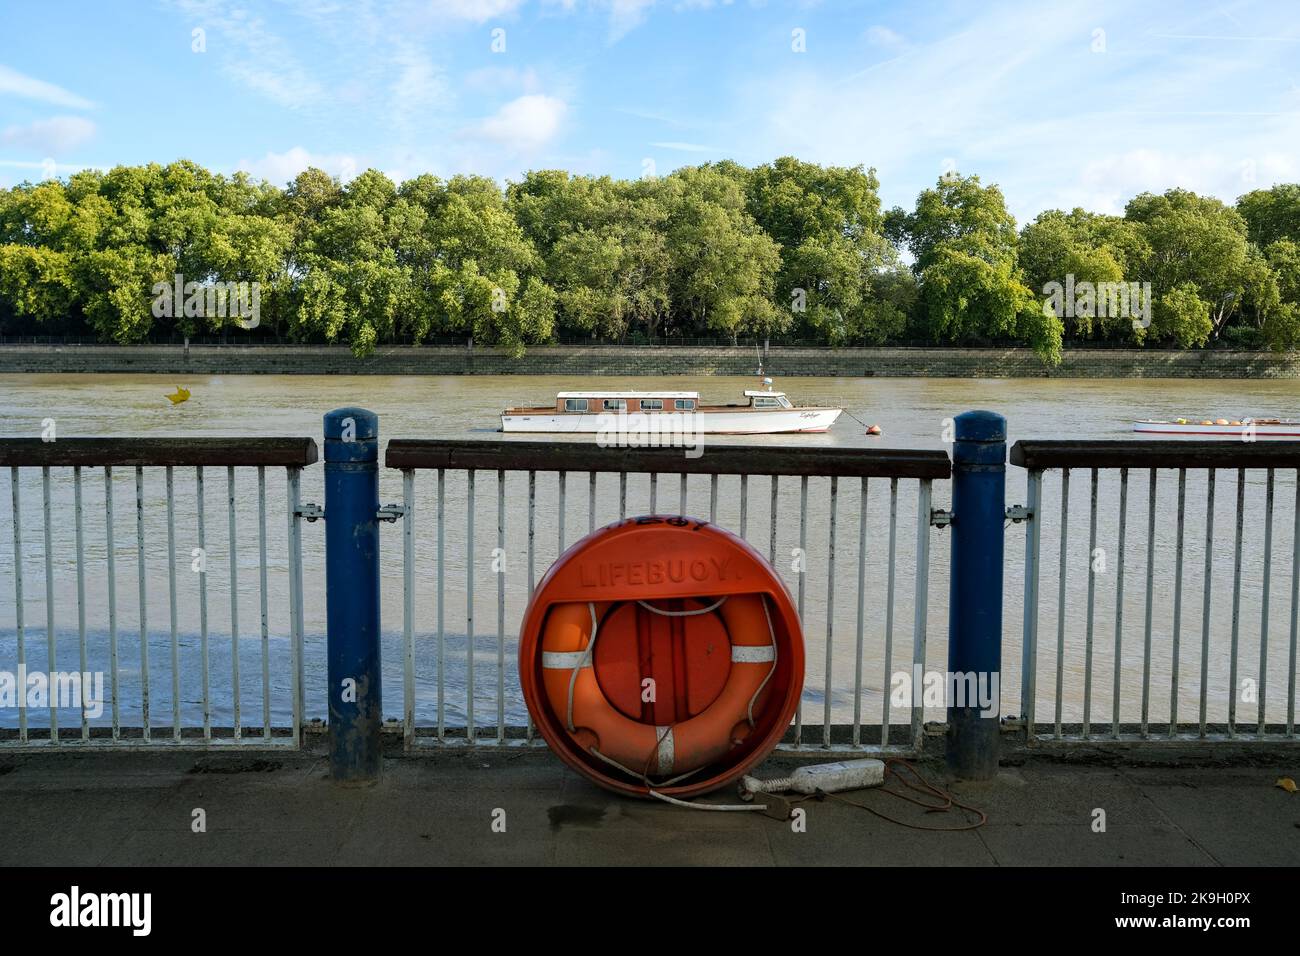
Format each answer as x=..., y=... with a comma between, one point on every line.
x=979, y=455
x=352, y=593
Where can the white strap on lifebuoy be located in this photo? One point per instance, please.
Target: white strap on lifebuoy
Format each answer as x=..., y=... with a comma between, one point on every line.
x=748, y=654
x=665, y=754
x=564, y=660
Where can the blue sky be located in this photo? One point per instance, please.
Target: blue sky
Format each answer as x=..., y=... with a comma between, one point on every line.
x=1061, y=104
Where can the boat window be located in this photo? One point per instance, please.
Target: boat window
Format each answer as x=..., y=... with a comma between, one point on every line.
x=785, y=402
x=684, y=404
x=575, y=404
x=766, y=403
x=652, y=404
x=615, y=404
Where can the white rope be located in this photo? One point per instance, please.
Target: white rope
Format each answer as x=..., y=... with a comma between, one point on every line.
x=771, y=634
x=707, y=806
x=586, y=659
x=704, y=610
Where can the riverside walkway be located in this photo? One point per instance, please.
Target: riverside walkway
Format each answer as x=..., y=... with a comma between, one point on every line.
x=438, y=809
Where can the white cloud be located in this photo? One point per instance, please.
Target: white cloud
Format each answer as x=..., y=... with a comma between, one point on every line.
x=418, y=88
x=476, y=11
x=689, y=147
x=526, y=123
x=493, y=79
x=883, y=36
x=50, y=137
x=1050, y=121
x=19, y=84
x=280, y=168
x=626, y=15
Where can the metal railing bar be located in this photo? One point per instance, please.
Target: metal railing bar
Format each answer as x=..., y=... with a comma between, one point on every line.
x=501, y=595
x=296, y=654
x=1119, y=600
x=171, y=599
x=137, y=452
x=744, y=503
x=522, y=455
x=1207, y=590
x=469, y=596
x=233, y=558
x=1092, y=603
x=830, y=616
x=1236, y=602
x=921, y=604
x=144, y=603
x=78, y=520
x=1146, y=626
x=862, y=613
x=408, y=608
x=1178, y=603
x=1295, y=617
x=1029, y=638
x=1060, y=596
x=49, y=605
x=1036, y=455
x=442, y=594
x=20, y=628
x=771, y=551
x=263, y=601
x=112, y=595
x=1264, y=598
x=889, y=609
x=803, y=581
x=203, y=600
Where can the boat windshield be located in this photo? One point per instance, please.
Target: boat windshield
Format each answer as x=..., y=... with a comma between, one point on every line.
x=785, y=402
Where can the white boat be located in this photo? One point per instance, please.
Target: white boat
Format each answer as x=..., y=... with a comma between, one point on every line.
x=765, y=412
x=1223, y=427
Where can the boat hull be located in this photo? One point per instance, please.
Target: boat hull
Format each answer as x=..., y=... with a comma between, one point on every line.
x=1286, y=429
x=781, y=421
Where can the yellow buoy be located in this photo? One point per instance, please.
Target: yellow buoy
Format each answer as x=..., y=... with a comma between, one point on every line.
x=182, y=395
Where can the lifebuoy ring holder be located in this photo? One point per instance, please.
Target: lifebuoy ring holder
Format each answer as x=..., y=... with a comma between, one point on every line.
x=659, y=558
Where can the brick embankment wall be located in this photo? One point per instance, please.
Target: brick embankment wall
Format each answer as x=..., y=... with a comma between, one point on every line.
x=645, y=360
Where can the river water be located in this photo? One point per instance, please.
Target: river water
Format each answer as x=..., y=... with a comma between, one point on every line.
x=911, y=412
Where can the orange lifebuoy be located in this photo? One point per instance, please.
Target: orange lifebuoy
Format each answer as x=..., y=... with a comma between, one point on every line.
x=661, y=653
x=574, y=691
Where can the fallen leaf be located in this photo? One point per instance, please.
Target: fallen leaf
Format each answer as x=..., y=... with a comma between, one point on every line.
x=1286, y=783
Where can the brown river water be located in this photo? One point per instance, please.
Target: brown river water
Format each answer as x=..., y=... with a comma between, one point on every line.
x=911, y=412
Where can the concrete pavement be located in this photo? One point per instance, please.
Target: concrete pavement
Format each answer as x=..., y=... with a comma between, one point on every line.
x=93, y=808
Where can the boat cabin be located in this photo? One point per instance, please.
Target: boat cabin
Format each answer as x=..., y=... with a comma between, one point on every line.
x=593, y=403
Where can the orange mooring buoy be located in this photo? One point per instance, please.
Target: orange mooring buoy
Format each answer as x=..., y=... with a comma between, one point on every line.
x=661, y=654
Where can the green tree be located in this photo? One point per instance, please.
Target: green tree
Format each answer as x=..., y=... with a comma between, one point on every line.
x=1271, y=214
x=971, y=287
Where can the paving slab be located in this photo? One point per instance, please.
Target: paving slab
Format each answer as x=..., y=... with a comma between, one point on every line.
x=524, y=807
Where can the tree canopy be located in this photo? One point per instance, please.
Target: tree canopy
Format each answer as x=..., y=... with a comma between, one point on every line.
x=789, y=250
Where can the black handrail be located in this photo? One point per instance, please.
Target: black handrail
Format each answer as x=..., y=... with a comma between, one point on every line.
x=93, y=452
x=532, y=455
x=1037, y=455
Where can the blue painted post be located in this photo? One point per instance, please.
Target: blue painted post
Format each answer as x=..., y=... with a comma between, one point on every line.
x=979, y=455
x=352, y=593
